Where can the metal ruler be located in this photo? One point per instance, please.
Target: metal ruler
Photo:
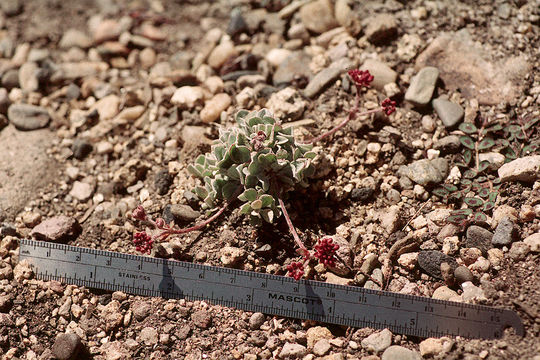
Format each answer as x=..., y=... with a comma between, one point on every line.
x=270, y=294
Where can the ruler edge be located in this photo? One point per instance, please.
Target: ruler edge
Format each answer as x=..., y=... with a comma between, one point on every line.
x=512, y=318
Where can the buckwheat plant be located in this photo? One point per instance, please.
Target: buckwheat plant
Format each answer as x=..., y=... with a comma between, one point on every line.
x=258, y=162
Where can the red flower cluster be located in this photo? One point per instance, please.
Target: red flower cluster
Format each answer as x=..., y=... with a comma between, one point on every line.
x=361, y=78
x=257, y=141
x=295, y=270
x=389, y=106
x=325, y=251
x=139, y=213
x=143, y=242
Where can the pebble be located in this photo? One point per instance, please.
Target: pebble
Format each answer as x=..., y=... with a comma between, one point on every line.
x=28, y=77
x=382, y=73
x=526, y=169
x=183, y=213
x=444, y=293
x=221, y=53
x=231, y=256
x=81, y=191
x=276, y=56
x=256, y=320
x=287, y=103
x=503, y=211
x=147, y=57
x=214, y=84
x=66, y=346
x=422, y=86
x=149, y=336
x=292, y=351
x=317, y=333
x=55, y=229
x=432, y=347
x=505, y=233
x=81, y=148
x=362, y=194
x=463, y=274
x=152, y=32
x=381, y=29
x=430, y=261
x=321, y=347
x=318, y=16
x=450, y=113
x=213, y=108
x=141, y=309
x=31, y=218
x=326, y=76
x=11, y=7
x=429, y=125
x=519, y=251
x=202, y=319
x=4, y=101
x=187, y=97
x=472, y=292
x=28, y=117
x=237, y=23
x=495, y=257
x=74, y=37
x=425, y=171
x=107, y=107
x=533, y=241
x=391, y=219
x=481, y=265
x=478, y=237
x=22, y=271
x=6, y=302
x=294, y=66
x=396, y=352
x=6, y=272
x=378, y=341
x=75, y=70
x=163, y=181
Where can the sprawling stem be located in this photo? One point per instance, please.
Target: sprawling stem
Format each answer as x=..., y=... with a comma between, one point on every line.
x=292, y=229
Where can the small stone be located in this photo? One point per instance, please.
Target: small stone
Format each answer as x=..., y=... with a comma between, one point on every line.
x=396, y=352
x=214, y=84
x=6, y=272
x=447, y=273
x=56, y=229
x=382, y=73
x=292, y=351
x=317, y=333
x=326, y=76
x=22, y=271
x=434, y=347
x=147, y=57
x=332, y=278
x=428, y=124
x=231, y=256
x=74, y=37
x=28, y=117
x=187, y=97
x=381, y=29
x=104, y=147
x=66, y=346
x=408, y=260
x=202, y=318
x=107, y=107
x=463, y=274
x=81, y=148
x=496, y=160
x=184, y=213
x=425, y=171
x=213, y=108
x=318, y=16
x=6, y=301
x=391, y=219
x=237, y=23
x=470, y=255
x=472, y=292
x=495, y=257
x=163, y=181
x=149, y=336
x=141, y=309
x=276, y=56
x=519, y=251
x=526, y=169
x=292, y=67
x=502, y=211
x=31, y=218
x=28, y=77
x=478, y=237
x=444, y=293
x=287, y=103
x=533, y=241
x=430, y=261
x=152, y=32
x=450, y=113
x=362, y=194
x=422, y=86
x=81, y=191
x=321, y=347
x=378, y=341
x=481, y=265
x=256, y=320
x=505, y=233
x=221, y=53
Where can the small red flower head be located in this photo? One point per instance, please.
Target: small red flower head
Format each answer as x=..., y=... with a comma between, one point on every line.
x=389, y=106
x=160, y=223
x=295, y=270
x=139, y=213
x=360, y=78
x=143, y=242
x=325, y=251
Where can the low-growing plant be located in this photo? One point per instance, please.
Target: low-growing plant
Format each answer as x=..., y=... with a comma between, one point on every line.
x=258, y=162
x=479, y=187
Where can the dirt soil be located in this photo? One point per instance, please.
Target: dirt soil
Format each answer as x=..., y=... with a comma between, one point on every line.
x=119, y=133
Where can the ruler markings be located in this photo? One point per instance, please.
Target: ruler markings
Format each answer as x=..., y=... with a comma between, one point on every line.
x=304, y=299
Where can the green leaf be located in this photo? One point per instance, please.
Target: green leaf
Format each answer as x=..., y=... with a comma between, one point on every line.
x=530, y=122
x=467, y=142
x=245, y=209
x=468, y=128
x=465, y=212
x=509, y=153
x=267, y=200
x=267, y=159
x=467, y=156
x=488, y=206
x=201, y=192
x=514, y=128
x=450, y=187
x=466, y=182
x=529, y=149
x=239, y=154
x=240, y=116
x=257, y=204
x=228, y=190
x=492, y=197
x=193, y=170
x=473, y=201
x=254, y=121
x=456, y=219
x=282, y=154
x=521, y=135
x=483, y=193
x=493, y=128
x=502, y=142
x=470, y=174
x=479, y=217
x=310, y=155
x=486, y=143
x=248, y=195
x=441, y=192
x=481, y=179
x=251, y=181
x=483, y=165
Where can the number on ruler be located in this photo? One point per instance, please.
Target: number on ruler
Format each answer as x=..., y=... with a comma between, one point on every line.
x=78, y=257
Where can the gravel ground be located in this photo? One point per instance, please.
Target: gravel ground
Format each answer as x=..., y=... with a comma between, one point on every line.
x=104, y=104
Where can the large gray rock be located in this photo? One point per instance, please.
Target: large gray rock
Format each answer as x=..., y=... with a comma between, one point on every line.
x=28, y=117
x=422, y=86
x=426, y=171
x=526, y=169
x=450, y=113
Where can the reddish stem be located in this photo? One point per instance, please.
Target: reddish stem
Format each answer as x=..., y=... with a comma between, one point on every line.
x=293, y=230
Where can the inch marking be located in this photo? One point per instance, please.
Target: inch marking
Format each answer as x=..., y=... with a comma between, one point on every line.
x=271, y=294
